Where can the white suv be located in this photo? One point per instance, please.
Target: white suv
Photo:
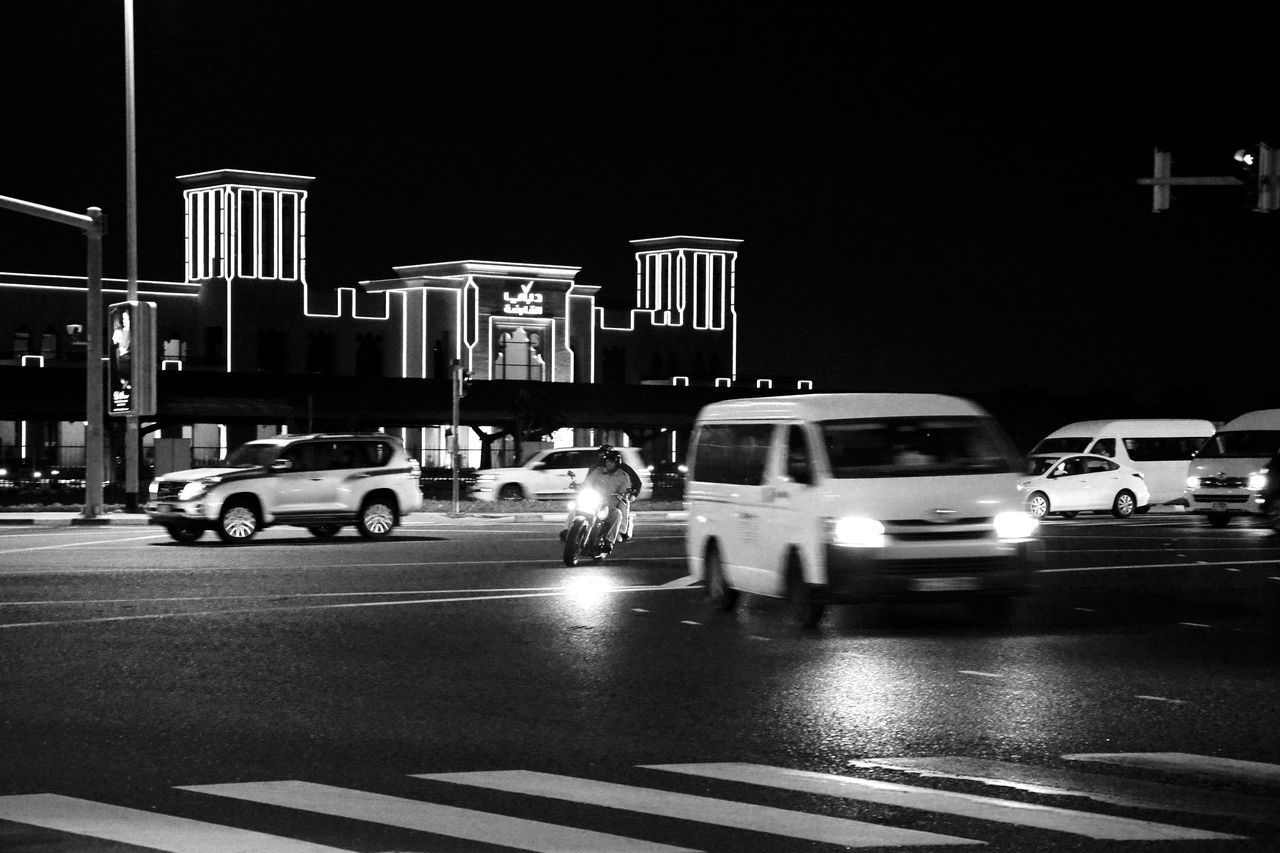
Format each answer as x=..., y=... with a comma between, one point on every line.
x=320, y=482
x=546, y=474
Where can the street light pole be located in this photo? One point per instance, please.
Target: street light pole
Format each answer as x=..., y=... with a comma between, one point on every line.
x=131, y=226
x=456, y=385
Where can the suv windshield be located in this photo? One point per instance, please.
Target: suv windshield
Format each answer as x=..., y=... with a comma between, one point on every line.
x=252, y=456
x=917, y=447
x=1244, y=444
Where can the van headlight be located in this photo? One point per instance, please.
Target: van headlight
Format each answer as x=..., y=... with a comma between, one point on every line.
x=1193, y=482
x=1015, y=525
x=1258, y=481
x=197, y=489
x=857, y=532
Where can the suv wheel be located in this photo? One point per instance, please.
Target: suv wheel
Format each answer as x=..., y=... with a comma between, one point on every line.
x=377, y=517
x=511, y=492
x=238, y=522
x=184, y=532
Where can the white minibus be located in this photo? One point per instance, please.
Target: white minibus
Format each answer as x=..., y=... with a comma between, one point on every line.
x=1159, y=448
x=842, y=498
x=1235, y=473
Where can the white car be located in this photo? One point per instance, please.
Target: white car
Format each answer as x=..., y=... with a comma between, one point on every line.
x=321, y=482
x=546, y=474
x=1082, y=482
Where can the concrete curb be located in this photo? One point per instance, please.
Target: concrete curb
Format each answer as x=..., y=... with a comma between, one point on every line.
x=129, y=519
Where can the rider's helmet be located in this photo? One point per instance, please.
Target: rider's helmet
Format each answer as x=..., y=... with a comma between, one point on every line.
x=611, y=455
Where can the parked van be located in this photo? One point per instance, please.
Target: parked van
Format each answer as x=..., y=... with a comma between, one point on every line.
x=1160, y=448
x=835, y=498
x=1237, y=472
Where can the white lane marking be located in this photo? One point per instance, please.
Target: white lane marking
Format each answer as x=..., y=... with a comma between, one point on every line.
x=80, y=544
x=687, y=580
x=273, y=596
x=946, y=802
x=421, y=816
x=977, y=672
x=812, y=827
x=1161, y=699
x=1195, y=625
x=1184, y=762
x=689, y=622
x=1197, y=564
x=1130, y=793
x=142, y=828
x=305, y=607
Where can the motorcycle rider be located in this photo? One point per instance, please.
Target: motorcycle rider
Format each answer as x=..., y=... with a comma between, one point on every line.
x=609, y=479
x=625, y=533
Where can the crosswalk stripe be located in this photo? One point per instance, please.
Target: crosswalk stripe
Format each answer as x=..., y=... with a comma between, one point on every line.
x=1131, y=793
x=144, y=829
x=1183, y=762
x=454, y=822
x=1102, y=827
x=812, y=827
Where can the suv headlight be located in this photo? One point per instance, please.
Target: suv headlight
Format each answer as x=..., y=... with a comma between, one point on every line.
x=1193, y=482
x=1015, y=525
x=857, y=532
x=197, y=488
x=1258, y=481
x=153, y=490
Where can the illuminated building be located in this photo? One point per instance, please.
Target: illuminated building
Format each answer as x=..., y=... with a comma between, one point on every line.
x=246, y=305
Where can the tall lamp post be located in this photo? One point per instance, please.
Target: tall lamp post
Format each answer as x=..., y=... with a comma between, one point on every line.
x=131, y=227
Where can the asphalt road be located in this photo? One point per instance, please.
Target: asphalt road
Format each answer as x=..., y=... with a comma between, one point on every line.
x=290, y=694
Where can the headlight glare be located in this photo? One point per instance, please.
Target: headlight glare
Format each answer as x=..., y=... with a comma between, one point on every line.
x=196, y=489
x=858, y=532
x=1257, y=481
x=1015, y=525
x=588, y=501
x=1193, y=482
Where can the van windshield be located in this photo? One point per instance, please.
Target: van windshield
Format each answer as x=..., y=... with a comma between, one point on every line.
x=1242, y=444
x=917, y=447
x=1062, y=445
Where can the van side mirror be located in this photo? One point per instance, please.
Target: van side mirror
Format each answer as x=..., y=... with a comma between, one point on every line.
x=282, y=465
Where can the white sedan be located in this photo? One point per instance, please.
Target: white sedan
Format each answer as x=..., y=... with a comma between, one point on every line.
x=1082, y=482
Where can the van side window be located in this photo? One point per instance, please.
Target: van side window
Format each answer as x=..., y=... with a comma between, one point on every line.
x=1105, y=447
x=1162, y=449
x=799, y=464
x=731, y=453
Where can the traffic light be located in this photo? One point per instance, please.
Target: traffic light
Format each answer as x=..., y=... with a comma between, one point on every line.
x=1260, y=165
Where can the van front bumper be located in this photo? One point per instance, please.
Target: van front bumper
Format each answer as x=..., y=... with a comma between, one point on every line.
x=1227, y=502
x=865, y=574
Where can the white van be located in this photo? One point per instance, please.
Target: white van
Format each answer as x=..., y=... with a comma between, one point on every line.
x=1237, y=472
x=1160, y=448
x=833, y=498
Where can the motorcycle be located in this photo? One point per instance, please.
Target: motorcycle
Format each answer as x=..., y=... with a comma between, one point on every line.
x=585, y=537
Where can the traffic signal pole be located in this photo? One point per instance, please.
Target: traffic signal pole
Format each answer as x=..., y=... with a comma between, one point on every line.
x=92, y=224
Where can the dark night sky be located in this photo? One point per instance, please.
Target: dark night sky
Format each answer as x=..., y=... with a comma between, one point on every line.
x=928, y=202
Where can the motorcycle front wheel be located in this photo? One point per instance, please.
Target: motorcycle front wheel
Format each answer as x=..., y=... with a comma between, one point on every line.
x=574, y=540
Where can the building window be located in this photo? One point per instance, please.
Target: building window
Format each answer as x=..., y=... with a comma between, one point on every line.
x=320, y=353
x=368, y=355
x=519, y=355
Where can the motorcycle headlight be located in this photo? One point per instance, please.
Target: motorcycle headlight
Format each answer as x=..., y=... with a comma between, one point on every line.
x=588, y=501
x=197, y=489
x=1257, y=481
x=1015, y=525
x=1193, y=482
x=857, y=532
